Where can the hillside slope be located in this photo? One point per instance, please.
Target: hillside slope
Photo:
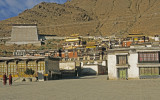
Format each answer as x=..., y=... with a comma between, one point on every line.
x=96, y=17
x=124, y=16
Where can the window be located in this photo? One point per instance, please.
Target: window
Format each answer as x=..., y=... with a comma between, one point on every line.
x=12, y=68
x=41, y=66
x=144, y=57
x=122, y=59
x=81, y=59
x=149, y=71
x=91, y=58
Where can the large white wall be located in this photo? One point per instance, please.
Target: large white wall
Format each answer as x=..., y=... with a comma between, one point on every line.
x=133, y=70
x=67, y=66
x=112, y=70
x=90, y=69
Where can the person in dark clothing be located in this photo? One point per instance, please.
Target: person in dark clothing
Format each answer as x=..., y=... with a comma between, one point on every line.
x=10, y=79
x=4, y=79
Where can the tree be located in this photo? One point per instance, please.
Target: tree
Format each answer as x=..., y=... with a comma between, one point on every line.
x=84, y=42
x=29, y=71
x=41, y=48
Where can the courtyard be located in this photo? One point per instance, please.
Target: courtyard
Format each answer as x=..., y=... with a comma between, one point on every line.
x=84, y=88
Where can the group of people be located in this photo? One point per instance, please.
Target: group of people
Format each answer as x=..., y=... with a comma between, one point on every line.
x=5, y=79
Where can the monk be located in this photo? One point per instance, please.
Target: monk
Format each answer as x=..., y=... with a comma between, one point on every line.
x=10, y=79
x=4, y=79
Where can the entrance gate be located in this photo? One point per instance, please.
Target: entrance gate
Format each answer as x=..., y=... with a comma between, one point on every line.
x=122, y=73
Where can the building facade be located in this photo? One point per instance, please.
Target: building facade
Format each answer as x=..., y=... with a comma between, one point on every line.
x=18, y=65
x=24, y=34
x=134, y=63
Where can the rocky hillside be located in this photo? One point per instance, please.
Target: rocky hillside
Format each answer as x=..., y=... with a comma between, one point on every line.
x=96, y=17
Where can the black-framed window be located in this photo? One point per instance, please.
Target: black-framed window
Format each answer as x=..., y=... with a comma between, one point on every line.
x=122, y=59
x=148, y=57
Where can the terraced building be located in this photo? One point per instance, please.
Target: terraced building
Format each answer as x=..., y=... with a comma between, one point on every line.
x=24, y=34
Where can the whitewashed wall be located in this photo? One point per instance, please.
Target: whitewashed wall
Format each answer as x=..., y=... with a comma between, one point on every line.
x=90, y=69
x=67, y=65
x=104, y=63
x=112, y=70
x=133, y=70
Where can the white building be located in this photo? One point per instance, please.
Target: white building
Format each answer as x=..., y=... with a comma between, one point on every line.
x=93, y=68
x=134, y=63
x=24, y=34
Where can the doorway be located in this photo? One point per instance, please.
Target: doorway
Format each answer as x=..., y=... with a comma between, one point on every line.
x=122, y=73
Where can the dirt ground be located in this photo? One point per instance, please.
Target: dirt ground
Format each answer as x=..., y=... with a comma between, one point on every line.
x=84, y=88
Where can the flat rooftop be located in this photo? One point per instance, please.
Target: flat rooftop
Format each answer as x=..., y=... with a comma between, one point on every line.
x=22, y=58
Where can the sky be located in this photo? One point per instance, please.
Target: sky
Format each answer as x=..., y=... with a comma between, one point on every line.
x=11, y=8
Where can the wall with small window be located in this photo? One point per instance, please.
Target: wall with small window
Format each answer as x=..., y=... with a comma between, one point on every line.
x=139, y=63
x=127, y=61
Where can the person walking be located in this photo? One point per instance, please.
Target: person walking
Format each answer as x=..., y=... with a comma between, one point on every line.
x=4, y=79
x=10, y=79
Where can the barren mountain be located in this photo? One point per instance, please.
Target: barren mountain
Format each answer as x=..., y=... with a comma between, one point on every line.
x=96, y=17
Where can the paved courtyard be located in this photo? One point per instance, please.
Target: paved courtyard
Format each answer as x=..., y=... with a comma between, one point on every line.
x=85, y=88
